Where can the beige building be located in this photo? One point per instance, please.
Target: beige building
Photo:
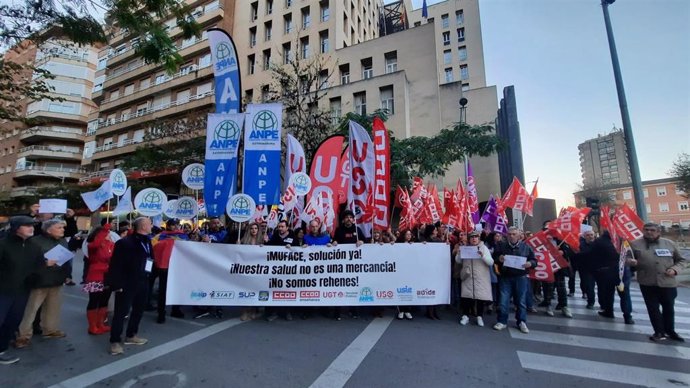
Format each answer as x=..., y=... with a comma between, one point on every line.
x=51, y=152
x=604, y=161
x=405, y=72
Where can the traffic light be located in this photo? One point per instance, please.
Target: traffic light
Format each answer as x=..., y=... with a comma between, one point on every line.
x=594, y=204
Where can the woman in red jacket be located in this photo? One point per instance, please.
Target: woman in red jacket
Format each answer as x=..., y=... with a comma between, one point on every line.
x=100, y=248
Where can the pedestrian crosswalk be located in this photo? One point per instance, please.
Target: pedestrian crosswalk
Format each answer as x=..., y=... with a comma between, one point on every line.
x=617, y=353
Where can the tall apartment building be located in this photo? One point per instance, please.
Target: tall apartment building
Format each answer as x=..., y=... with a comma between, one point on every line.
x=51, y=152
x=604, y=161
x=404, y=71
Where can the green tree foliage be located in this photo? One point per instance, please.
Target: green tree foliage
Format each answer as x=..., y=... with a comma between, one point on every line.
x=16, y=86
x=681, y=170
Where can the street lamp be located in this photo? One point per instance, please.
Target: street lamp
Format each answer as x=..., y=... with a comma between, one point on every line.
x=625, y=116
x=463, y=119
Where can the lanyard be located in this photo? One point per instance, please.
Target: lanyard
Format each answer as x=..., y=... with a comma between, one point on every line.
x=147, y=249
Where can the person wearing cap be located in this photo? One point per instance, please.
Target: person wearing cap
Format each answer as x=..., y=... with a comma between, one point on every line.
x=19, y=259
x=658, y=262
x=46, y=292
x=476, y=280
x=162, y=250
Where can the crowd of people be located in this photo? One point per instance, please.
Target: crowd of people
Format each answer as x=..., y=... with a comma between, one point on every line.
x=130, y=259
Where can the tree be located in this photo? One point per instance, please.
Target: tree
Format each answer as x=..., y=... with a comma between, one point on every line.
x=681, y=170
x=16, y=86
x=31, y=22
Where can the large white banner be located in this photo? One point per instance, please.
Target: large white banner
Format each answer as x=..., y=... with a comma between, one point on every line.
x=249, y=275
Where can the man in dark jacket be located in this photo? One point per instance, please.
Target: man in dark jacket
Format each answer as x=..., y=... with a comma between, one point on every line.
x=127, y=276
x=586, y=261
x=605, y=271
x=347, y=232
x=19, y=259
x=512, y=283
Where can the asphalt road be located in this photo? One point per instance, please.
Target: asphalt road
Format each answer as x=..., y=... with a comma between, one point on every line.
x=367, y=352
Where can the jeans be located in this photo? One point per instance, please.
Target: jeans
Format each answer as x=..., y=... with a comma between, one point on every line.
x=11, y=312
x=559, y=284
x=607, y=280
x=134, y=298
x=510, y=286
x=626, y=301
x=654, y=296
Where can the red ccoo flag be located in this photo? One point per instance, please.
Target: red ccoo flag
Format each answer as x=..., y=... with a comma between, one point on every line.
x=517, y=197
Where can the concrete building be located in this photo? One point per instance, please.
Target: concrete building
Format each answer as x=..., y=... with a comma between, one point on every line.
x=508, y=129
x=50, y=152
x=419, y=73
x=604, y=161
x=666, y=204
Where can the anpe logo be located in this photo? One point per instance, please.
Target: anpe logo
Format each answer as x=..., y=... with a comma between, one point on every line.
x=384, y=294
x=152, y=201
x=265, y=126
x=196, y=175
x=226, y=135
x=284, y=295
x=224, y=56
x=263, y=296
x=247, y=294
x=309, y=294
x=241, y=207
x=366, y=295
x=198, y=295
x=222, y=294
x=185, y=207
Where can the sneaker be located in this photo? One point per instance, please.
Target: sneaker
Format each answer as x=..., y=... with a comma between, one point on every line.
x=408, y=316
x=464, y=319
x=605, y=314
x=628, y=320
x=135, y=341
x=532, y=310
x=523, y=327
x=6, y=359
x=401, y=315
x=272, y=317
x=566, y=312
x=70, y=282
x=499, y=326
x=55, y=334
x=549, y=311
x=116, y=349
x=658, y=337
x=675, y=337
x=480, y=321
x=21, y=343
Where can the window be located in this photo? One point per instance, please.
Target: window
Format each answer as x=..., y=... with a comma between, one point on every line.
x=465, y=87
x=11, y=150
x=250, y=64
x=304, y=42
x=661, y=191
x=254, y=11
x=144, y=83
x=268, y=30
x=287, y=53
x=649, y=208
x=264, y=93
x=160, y=78
x=138, y=136
x=627, y=195
x=323, y=79
x=444, y=21
x=115, y=94
x=367, y=68
x=204, y=88
x=360, y=103
x=449, y=74
x=464, y=72
x=387, y=99
x=336, y=110
x=129, y=89
x=102, y=62
x=325, y=12
x=288, y=3
x=446, y=57
x=323, y=41
x=462, y=53
x=269, y=7
x=461, y=34
x=183, y=96
x=306, y=18
x=683, y=206
x=663, y=207
x=391, y=61
x=252, y=37
x=679, y=191
x=287, y=21
x=446, y=38
x=267, y=59
x=344, y=74
x=459, y=17
x=205, y=60
x=645, y=192
x=248, y=96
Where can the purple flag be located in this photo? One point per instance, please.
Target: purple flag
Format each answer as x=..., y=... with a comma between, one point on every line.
x=494, y=221
x=472, y=199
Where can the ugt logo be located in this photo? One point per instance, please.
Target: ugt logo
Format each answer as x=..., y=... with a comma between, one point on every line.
x=264, y=126
x=224, y=56
x=240, y=206
x=225, y=136
x=151, y=200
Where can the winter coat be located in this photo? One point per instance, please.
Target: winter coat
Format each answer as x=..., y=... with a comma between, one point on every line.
x=652, y=263
x=52, y=276
x=127, y=269
x=100, y=253
x=19, y=261
x=476, y=275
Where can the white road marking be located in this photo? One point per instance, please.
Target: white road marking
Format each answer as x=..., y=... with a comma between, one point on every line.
x=114, y=368
x=599, y=325
x=605, y=371
x=341, y=369
x=643, y=316
x=181, y=378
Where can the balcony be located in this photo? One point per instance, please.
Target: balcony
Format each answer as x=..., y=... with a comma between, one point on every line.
x=62, y=172
x=108, y=151
x=50, y=152
x=193, y=74
x=144, y=115
x=24, y=191
x=50, y=55
x=39, y=133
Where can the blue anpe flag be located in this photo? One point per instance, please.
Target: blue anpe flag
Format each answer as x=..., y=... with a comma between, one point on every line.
x=425, y=10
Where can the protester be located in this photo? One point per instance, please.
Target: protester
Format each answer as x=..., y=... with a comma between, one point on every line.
x=215, y=233
x=71, y=231
x=281, y=237
x=492, y=241
x=162, y=249
x=46, y=292
x=19, y=260
x=127, y=276
x=586, y=262
x=605, y=270
x=100, y=246
x=513, y=282
x=431, y=234
x=559, y=281
x=315, y=236
x=254, y=235
x=405, y=312
x=658, y=262
x=347, y=233
x=476, y=281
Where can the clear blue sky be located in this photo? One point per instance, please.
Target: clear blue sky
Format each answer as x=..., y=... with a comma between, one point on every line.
x=556, y=54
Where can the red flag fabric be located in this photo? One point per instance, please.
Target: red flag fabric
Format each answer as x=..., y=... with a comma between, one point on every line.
x=517, y=197
x=407, y=214
x=344, y=171
x=535, y=194
x=546, y=254
x=570, y=222
x=627, y=223
x=399, y=198
x=433, y=204
x=447, y=198
x=324, y=166
x=605, y=218
x=382, y=178
x=572, y=239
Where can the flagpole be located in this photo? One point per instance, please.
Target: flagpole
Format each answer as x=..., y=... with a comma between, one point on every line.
x=107, y=214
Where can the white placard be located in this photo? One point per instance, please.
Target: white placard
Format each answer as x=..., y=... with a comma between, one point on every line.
x=59, y=254
x=170, y=208
x=514, y=261
x=186, y=208
x=301, y=182
x=251, y=275
x=56, y=206
x=150, y=202
x=193, y=176
x=470, y=252
x=118, y=181
x=240, y=207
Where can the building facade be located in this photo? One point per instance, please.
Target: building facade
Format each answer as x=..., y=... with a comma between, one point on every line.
x=604, y=161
